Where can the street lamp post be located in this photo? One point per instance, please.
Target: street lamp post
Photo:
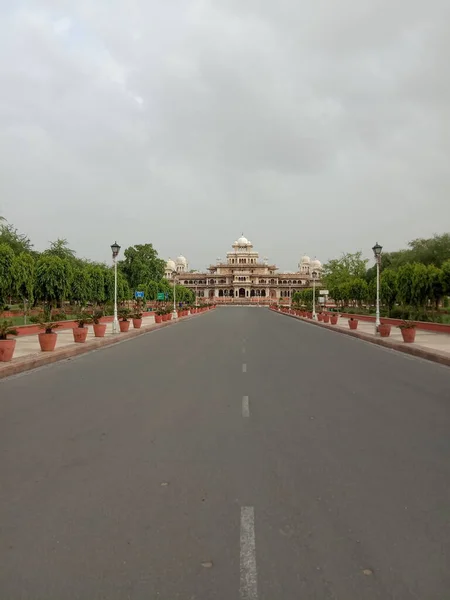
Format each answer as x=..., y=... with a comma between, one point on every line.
x=115, y=251
x=314, y=275
x=377, y=254
x=174, y=313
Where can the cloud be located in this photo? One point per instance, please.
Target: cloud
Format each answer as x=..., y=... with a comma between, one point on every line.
x=316, y=128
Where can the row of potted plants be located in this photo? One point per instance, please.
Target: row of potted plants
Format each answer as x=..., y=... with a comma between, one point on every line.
x=407, y=328
x=48, y=337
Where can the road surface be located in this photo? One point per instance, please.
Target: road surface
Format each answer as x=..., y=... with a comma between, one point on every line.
x=237, y=455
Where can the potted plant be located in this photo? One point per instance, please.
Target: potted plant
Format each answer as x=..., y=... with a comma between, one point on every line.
x=384, y=330
x=320, y=316
x=7, y=346
x=408, y=329
x=137, y=318
x=326, y=318
x=47, y=339
x=158, y=316
x=80, y=332
x=124, y=323
x=353, y=323
x=99, y=327
x=334, y=319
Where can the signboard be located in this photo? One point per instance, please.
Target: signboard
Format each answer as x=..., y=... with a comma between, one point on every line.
x=138, y=294
x=321, y=300
x=324, y=292
x=160, y=296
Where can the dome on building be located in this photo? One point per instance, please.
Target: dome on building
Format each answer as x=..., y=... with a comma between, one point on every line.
x=305, y=260
x=316, y=264
x=243, y=241
x=170, y=265
x=181, y=260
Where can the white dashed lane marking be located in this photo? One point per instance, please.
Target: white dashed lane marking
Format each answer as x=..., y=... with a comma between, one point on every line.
x=248, y=588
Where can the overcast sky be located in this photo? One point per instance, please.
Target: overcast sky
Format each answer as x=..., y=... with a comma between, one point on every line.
x=311, y=127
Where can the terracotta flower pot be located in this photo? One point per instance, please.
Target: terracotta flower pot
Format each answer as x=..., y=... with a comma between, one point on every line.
x=334, y=319
x=158, y=318
x=408, y=334
x=99, y=329
x=137, y=323
x=353, y=323
x=169, y=317
x=326, y=318
x=164, y=317
x=80, y=334
x=7, y=350
x=320, y=317
x=47, y=341
x=384, y=330
x=124, y=326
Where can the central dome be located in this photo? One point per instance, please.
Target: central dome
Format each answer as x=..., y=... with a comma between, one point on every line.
x=243, y=241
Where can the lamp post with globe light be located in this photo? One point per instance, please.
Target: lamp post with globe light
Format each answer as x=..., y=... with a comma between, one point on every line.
x=314, y=277
x=115, y=248
x=377, y=249
x=174, y=312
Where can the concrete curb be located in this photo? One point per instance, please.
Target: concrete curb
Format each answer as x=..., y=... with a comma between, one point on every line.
x=411, y=349
x=46, y=358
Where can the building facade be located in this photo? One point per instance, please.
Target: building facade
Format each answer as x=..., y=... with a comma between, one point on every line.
x=245, y=278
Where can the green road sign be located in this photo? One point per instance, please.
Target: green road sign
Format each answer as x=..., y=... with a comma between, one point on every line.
x=160, y=296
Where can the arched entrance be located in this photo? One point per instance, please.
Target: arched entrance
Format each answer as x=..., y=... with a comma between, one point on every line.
x=241, y=293
x=220, y=293
x=252, y=293
x=263, y=293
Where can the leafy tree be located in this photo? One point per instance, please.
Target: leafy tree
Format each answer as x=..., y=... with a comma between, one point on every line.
x=53, y=279
x=23, y=276
x=97, y=275
x=6, y=267
x=388, y=288
x=340, y=270
x=18, y=242
x=81, y=287
x=123, y=289
x=142, y=265
x=446, y=277
x=357, y=290
x=413, y=284
x=60, y=248
x=436, y=284
x=434, y=251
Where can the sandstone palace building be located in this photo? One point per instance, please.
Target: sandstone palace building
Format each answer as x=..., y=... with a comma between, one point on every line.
x=244, y=277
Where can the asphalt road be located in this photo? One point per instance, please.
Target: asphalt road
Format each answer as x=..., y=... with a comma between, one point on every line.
x=240, y=454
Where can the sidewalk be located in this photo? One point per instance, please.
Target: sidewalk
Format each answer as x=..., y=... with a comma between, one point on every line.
x=428, y=345
x=28, y=354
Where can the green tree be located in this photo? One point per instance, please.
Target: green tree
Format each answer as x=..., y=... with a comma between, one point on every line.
x=413, y=284
x=97, y=274
x=52, y=279
x=60, y=248
x=446, y=277
x=18, y=242
x=81, y=290
x=436, y=284
x=388, y=288
x=141, y=265
x=357, y=289
x=23, y=276
x=433, y=251
x=340, y=270
x=6, y=270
